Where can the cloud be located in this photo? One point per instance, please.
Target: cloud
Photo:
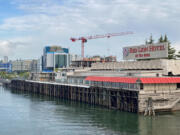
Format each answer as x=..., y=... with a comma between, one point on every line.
x=55, y=21
x=8, y=48
x=100, y=14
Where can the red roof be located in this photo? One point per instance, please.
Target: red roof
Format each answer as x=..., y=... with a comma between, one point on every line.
x=160, y=80
x=148, y=80
x=111, y=79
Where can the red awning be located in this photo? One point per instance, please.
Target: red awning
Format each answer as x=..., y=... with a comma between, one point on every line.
x=160, y=80
x=148, y=80
x=112, y=79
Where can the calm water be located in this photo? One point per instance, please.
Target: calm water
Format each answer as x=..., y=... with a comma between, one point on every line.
x=29, y=114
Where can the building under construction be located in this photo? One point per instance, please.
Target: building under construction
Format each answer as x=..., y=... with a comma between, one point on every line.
x=87, y=62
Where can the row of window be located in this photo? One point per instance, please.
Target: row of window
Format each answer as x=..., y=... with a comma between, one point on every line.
x=107, y=84
x=113, y=85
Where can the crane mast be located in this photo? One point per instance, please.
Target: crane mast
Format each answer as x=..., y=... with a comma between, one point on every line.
x=108, y=35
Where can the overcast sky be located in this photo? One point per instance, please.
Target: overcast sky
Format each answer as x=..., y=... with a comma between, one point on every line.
x=26, y=26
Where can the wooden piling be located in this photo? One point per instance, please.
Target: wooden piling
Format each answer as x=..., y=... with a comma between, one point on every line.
x=124, y=100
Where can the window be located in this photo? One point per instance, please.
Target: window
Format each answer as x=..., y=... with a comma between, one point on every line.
x=120, y=85
x=60, y=61
x=141, y=86
x=113, y=85
x=75, y=81
x=105, y=84
x=170, y=74
x=87, y=82
x=132, y=86
x=80, y=81
x=178, y=85
x=117, y=85
x=125, y=85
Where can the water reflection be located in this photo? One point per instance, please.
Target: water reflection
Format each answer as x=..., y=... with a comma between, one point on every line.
x=37, y=114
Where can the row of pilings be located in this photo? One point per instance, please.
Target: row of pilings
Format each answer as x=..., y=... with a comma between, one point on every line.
x=124, y=100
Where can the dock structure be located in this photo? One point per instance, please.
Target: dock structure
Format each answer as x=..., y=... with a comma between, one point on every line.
x=146, y=84
x=145, y=87
x=124, y=100
x=132, y=94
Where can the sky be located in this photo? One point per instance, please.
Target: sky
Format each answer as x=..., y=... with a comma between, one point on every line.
x=26, y=26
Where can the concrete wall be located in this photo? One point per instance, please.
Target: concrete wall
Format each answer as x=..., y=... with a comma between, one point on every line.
x=159, y=87
x=165, y=65
x=162, y=100
x=115, y=73
x=42, y=76
x=152, y=64
x=171, y=66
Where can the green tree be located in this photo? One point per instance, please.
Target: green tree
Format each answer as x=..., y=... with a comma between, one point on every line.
x=2, y=74
x=165, y=38
x=171, y=50
x=150, y=41
x=146, y=42
x=161, y=39
x=178, y=55
x=24, y=75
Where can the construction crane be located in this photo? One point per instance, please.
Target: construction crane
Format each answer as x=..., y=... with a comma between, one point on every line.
x=108, y=35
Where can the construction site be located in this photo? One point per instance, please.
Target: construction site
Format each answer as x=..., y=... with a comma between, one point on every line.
x=145, y=81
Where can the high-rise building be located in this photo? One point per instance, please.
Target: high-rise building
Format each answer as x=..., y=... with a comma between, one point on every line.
x=34, y=65
x=55, y=57
x=5, y=59
x=21, y=65
x=40, y=64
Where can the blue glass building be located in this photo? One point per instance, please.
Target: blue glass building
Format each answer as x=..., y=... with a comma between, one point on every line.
x=7, y=67
x=55, y=57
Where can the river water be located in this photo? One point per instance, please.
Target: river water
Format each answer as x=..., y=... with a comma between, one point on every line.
x=24, y=113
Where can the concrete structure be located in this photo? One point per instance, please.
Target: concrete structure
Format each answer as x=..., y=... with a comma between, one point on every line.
x=83, y=63
x=42, y=76
x=162, y=92
x=61, y=77
x=87, y=62
x=39, y=64
x=161, y=66
x=110, y=59
x=34, y=66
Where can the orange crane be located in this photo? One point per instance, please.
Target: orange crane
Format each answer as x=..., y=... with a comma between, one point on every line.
x=108, y=35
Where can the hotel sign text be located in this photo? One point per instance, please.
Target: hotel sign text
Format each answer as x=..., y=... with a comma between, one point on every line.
x=150, y=51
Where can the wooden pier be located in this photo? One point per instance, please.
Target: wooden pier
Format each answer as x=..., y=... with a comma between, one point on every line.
x=120, y=99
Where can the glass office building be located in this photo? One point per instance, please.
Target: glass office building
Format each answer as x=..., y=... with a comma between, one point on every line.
x=61, y=60
x=55, y=57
